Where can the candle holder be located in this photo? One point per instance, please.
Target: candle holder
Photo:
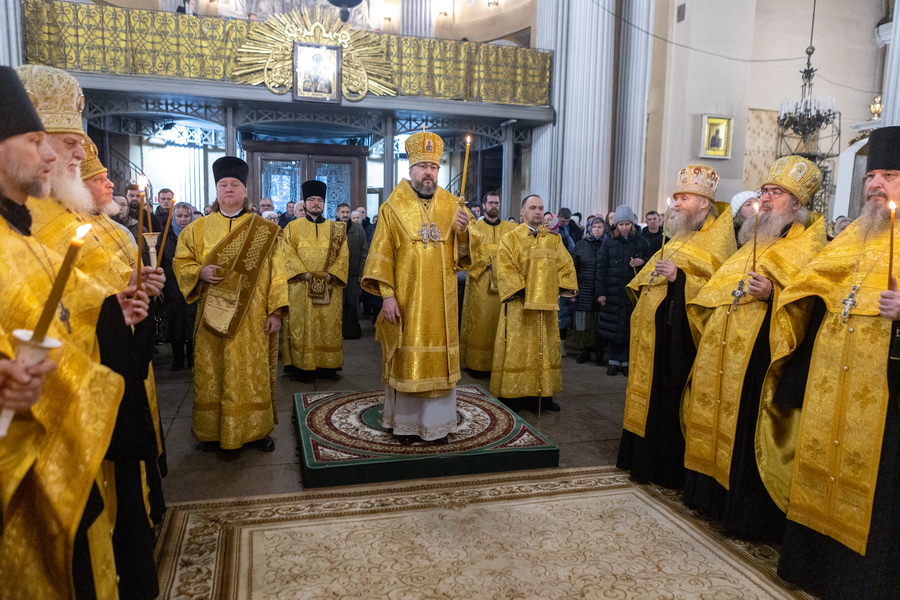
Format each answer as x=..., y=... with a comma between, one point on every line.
x=151, y=239
x=28, y=353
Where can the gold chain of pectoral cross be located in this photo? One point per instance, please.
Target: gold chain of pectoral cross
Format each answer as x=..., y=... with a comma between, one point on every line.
x=654, y=274
x=115, y=235
x=64, y=314
x=850, y=302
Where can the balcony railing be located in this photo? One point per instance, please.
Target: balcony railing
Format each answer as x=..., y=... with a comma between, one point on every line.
x=123, y=41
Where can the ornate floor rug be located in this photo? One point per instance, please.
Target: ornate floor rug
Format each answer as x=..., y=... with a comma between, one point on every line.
x=342, y=442
x=575, y=533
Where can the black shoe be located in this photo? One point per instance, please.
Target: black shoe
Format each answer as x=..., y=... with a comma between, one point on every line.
x=479, y=374
x=266, y=444
x=209, y=446
x=289, y=369
x=625, y=371
x=613, y=370
x=441, y=441
x=303, y=375
x=324, y=373
x=549, y=404
x=583, y=357
x=407, y=440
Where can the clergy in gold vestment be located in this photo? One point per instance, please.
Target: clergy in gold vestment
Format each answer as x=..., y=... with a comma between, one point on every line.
x=316, y=262
x=828, y=438
x=422, y=238
x=481, y=306
x=56, y=534
x=230, y=263
x=663, y=344
x=533, y=270
x=733, y=312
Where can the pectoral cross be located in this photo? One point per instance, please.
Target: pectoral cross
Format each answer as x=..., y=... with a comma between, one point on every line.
x=64, y=315
x=738, y=293
x=849, y=303
x=652, y=277
x=425, y=232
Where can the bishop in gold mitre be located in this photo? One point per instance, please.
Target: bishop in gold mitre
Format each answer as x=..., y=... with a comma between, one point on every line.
x=828, y=440
x=57, y=526
x=534, y=269
x=423, y=237
x=481, y=304
x=663, y=342
x=734, y=311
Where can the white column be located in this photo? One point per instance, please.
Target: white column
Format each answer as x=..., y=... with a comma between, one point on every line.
x=11, y=21
x=890, y=113
x=631, y=106
x=416, y=18
x=572, y=158
x=388, y=156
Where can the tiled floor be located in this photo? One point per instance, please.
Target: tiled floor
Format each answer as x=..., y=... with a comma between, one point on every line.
x=587, y=429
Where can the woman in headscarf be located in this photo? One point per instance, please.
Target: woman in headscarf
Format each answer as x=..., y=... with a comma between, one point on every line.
x=587, y=252
x=178, y=314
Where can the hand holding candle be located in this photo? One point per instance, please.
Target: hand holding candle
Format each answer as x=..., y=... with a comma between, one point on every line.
x=40, y=330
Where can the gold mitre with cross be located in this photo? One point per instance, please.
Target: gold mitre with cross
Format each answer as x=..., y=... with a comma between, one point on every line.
x=91, y=164
x=697, y=179
x=424, y=146
x=797, y=175
x=57, y=97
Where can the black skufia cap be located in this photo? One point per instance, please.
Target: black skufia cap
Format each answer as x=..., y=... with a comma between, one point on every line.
x=884, y=149
x=231, y=166
x=314, y=188
x=17, y=113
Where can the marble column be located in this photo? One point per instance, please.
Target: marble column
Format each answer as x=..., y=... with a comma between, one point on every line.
x=631, y=105
x=11, y=54
x=416, y=18
x=571, y=159
x=388, y=156
x=890, y=114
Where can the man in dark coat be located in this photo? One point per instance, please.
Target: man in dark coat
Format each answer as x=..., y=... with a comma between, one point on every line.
x=359, y=249
x=621, y=257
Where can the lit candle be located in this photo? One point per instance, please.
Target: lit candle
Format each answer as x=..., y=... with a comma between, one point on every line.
x=50, y=309
x=755, y=229
x=662, y=249
x=893, y=207
x=162, y=246
x=142, y=182
x=462, y=188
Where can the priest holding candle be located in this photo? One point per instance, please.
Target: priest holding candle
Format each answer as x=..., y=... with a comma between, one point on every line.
x=423, y=237
x=733, y=311
x=828, y=441
x=51, y=456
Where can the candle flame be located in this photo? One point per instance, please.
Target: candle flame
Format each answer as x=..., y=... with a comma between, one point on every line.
x=142, y=181
x=82, y=231
x=668, y=202
x=756, y=206
x=892, y=205
x=468, y=140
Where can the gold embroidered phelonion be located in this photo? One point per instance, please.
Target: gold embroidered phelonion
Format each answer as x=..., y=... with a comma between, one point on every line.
x=43, y=324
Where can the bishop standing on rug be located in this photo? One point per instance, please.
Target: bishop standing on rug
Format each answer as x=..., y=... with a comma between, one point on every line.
x=229, y=262
x=534, y=269
x=423, y=237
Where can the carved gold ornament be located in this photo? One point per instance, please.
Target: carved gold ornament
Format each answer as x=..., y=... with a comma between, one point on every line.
x=266, y=57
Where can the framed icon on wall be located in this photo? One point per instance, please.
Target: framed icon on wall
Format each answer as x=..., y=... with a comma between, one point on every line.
x=317, y=72
x=715, y=141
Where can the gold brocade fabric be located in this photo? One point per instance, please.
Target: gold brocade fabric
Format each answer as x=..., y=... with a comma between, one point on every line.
x=527, y=359
x=713, y=393
x=128, y=41
x=698, y=255
x=51, y=457
x=423, y=280
x=821, y=463
x=315, y=329
x=232, y=375
x=481, y=306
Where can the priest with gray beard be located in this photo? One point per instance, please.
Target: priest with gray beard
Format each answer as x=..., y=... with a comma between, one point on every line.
x=701, y=238
x=733, y=311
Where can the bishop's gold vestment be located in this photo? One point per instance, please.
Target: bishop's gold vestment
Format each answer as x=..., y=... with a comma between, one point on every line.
x=51, y=457
x=481, y=305
x=729, y=333
x=422, y=277
x=315, y=338
x=697, y=254
x=533, y=271
x=233, y=378
x=821, y=463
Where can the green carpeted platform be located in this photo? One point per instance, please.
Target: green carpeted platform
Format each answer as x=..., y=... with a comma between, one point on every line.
x=342, y=442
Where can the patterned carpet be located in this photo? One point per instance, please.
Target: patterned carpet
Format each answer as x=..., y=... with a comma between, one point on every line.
x=343, y=443
x=575, y=533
